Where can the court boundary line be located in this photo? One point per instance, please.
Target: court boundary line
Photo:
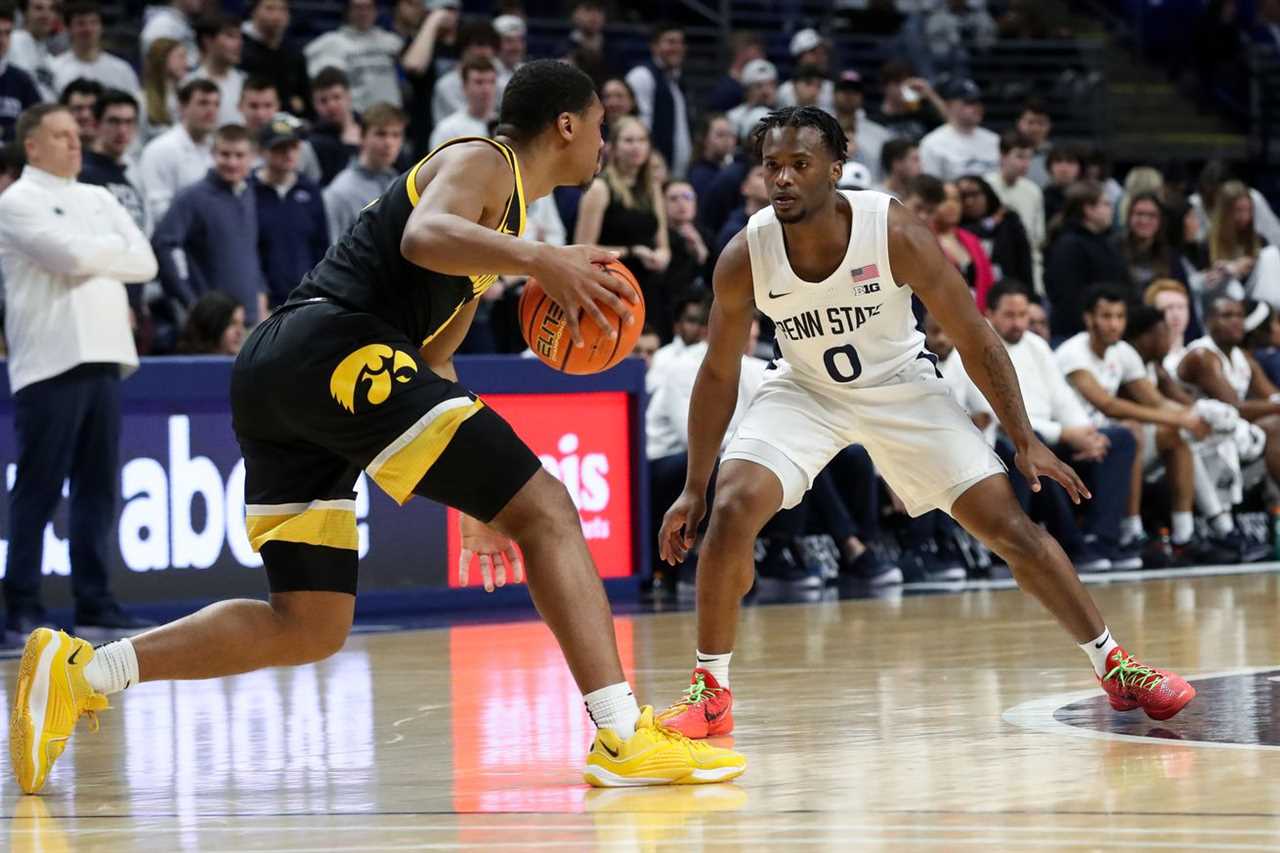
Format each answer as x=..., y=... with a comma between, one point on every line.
x=1038, y=715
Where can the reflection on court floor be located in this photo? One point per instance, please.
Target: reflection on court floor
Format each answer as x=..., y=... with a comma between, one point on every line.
x=922, y=722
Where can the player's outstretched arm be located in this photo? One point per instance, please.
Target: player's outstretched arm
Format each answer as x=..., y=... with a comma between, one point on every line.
x=451, y=231
x=918, y=262
x=715, y=394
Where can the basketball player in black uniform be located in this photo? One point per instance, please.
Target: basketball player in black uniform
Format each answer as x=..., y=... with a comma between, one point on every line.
x=355, y=373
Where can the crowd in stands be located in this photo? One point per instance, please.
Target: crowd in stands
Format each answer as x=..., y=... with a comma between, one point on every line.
x=1135, y=309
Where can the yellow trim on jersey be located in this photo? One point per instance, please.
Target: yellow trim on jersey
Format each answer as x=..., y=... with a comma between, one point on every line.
x=321, y=523
x=431, y=337
x=405, y=461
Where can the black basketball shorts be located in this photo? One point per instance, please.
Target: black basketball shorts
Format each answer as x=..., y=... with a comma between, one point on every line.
x=320, y=393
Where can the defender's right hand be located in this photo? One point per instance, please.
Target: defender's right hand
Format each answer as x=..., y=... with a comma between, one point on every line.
x=573, y=278
x=680, y=527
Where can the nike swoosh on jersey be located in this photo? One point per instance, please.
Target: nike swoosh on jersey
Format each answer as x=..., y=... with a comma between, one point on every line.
x=773, y=295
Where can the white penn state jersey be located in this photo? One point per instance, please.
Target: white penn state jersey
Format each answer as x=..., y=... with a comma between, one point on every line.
x=856, y=328
x=1237, y=369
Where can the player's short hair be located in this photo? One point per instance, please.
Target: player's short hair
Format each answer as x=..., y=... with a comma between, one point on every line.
x=80, y=8
x=1213, y=304
x=820, y=120
x=7, y=12
x=1065, y=154
x=684, y=301
x=1035, y=106
x=538, y=93
x=895, y=71
x=475, y=65
x=259, y=83
x=661, y=28
x=328, y=77
x=1141, y=319
x=199, y=86
x=478, y=32
x=1011, y=140
x=1164, y=285
x=1005, y=287
x=808, y=73
x=1103, y=292
x=231, y=134
x=81, y=86
x=894, y=150
x=114, y=98
x=212, y=24
x=383, y=114
x=927, y=188
x=30, y=120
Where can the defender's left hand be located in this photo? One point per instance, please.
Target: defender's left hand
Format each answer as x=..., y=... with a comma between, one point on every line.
x=496, y=553
x=1037, y=461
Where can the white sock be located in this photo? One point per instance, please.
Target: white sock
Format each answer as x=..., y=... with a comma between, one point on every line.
x=1222, y=523
x=113, y=668
x=614, y=707
x=1131, y=527
x=1184, y=527
x=717, y=665
x=1098, y=648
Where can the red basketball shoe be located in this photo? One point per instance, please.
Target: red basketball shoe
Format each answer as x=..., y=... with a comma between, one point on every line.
x=706, y=710
x=1130, y=684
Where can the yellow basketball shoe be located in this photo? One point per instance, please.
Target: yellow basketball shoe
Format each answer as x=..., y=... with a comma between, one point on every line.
x=657, y=755
x=52, y=696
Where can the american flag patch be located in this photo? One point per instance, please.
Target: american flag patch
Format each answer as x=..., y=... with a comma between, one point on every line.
x=866, y=273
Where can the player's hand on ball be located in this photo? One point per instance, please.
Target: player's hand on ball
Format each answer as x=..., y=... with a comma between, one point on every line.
x=496, y=554
x=1036, y=461
x=571, y=276
x=680, y=527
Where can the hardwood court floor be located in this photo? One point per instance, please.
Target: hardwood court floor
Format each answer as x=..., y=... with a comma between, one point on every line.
x=948, y=722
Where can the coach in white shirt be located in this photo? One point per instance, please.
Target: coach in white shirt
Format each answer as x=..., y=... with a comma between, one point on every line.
x=66, y=248
x=961, y=146
x=183, y=154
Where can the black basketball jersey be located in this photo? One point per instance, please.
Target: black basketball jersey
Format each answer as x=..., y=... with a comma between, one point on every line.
x=364, y=271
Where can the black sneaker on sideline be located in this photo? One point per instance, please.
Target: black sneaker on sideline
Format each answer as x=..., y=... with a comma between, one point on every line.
x=109, y=622
x=870, y=567
x=780, y=564
x=1087, y=558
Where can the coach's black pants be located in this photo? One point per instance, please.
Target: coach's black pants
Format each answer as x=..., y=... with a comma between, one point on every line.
x=67, y=427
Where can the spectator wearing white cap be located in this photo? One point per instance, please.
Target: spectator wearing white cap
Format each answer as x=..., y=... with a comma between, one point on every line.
x=366, y=52
x=961, y=146
x=760, y=83
x=808, y=49
x=511, y=32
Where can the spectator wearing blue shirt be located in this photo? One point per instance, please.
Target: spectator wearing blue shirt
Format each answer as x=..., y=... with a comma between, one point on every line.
x=293, y=232
x=17, y=89
x=208, y=239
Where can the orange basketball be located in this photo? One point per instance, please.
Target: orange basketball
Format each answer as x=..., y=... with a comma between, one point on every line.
x=545, y=331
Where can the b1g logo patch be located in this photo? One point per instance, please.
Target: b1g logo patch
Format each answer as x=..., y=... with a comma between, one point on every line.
x=369, y=373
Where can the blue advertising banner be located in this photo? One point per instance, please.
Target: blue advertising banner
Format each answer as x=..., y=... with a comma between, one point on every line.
x=179, y=528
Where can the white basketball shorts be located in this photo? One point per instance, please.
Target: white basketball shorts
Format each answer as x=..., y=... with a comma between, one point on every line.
x=921, y=441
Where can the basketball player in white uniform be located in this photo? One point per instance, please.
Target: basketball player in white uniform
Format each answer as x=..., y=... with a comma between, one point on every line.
x=835, y=271
x=1218, y=365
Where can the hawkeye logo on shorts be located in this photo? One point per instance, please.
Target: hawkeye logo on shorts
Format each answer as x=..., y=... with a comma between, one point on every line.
x=372, y=368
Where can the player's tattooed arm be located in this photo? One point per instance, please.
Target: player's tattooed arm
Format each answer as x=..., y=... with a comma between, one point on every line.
x=918, y=262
